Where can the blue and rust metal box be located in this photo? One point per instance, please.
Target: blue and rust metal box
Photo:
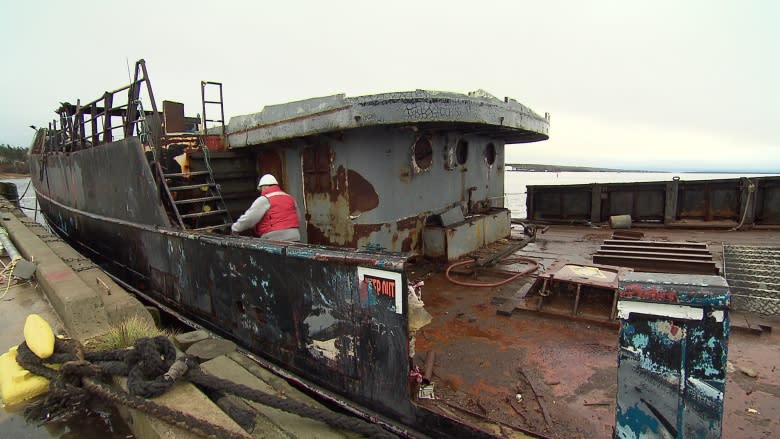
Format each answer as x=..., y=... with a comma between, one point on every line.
x=672, y=361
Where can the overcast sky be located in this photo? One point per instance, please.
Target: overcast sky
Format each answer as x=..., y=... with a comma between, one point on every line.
x=673, y=85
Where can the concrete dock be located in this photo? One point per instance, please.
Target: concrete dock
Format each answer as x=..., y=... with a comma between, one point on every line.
x=78, y=299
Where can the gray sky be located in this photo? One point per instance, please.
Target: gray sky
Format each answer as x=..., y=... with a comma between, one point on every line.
x=675, y=85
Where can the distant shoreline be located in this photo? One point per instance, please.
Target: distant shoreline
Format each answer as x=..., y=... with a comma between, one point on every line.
x=528, y=167
x=532, y=167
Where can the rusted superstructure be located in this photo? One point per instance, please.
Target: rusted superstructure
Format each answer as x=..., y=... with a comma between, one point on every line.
x=376, y=170
x=379, y=179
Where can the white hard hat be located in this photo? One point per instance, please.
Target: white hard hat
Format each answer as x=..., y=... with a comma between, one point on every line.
x=266, y=180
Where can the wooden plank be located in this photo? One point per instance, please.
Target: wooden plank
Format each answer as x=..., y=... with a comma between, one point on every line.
x=659, y=265
x=680, y=244
x=667, y=255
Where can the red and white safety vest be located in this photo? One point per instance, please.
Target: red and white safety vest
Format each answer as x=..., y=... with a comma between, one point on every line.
x=281, y=215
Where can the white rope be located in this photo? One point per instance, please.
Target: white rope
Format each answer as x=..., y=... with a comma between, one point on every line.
x=7, y=273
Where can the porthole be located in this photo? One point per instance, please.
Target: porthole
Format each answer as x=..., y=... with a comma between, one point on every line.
x=462, y=152
x=490, y=154
x=422, y=153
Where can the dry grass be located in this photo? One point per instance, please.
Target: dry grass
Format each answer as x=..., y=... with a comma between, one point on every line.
x=125, y=333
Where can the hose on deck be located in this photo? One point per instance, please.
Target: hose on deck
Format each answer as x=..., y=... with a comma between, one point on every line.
x=509, y=260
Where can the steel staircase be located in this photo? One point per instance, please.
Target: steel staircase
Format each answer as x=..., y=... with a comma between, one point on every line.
x=191, y=195
x=196, y=197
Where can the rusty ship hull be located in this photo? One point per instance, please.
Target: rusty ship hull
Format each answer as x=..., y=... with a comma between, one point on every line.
x=379, y=179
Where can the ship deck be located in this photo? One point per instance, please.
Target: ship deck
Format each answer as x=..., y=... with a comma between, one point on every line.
x=565, y=369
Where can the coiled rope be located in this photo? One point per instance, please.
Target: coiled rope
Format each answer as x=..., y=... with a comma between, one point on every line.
x=151, y=368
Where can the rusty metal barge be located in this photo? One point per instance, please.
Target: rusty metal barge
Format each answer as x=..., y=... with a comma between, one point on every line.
x=381, y=180
x=747, y=202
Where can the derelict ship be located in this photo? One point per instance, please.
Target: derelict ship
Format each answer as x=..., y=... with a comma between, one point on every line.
x=381, y=181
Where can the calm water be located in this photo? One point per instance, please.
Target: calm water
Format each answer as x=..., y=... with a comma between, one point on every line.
x=26, y=197
x=515, y=182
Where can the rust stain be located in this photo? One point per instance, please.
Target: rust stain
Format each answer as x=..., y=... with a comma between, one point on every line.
x=59, y=275
x=357, y=232
x=409, y=223
x=480, y=386
x=407, y=244
x=315, y=236
x=362, y=195
x=724, y=213
x=338, y=187
x=459, y=328
x=412, y=236
x=453, y=382
x=363, y=232
x=657, y=294
x=330, y=218
x=269, y=161
x=405, y=174
x=349, y=194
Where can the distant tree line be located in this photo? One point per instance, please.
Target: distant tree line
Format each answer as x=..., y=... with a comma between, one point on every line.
x=533, y=167
x=13, y=159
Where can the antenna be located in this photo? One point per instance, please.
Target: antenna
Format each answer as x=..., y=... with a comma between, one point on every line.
x=129, y=77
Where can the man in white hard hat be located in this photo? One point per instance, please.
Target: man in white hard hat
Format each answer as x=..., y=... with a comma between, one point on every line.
x=273, y=215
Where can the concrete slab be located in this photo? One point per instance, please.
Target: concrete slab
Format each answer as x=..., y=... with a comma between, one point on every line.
x=77, y=302
x=279, y=384
x=78, y=305
x=17, y=303
x=118, y=304
x=184, y=397
x=187, y=339
x=85, y=285
x=211, y=348
x=275, y=420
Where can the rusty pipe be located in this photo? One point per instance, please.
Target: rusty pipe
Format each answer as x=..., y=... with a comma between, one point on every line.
x=428, y=367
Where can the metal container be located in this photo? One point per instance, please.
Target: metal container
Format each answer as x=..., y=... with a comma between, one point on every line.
x=620, y=221
x=672, y=359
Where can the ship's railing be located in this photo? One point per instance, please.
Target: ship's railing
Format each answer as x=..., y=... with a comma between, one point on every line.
x=106, y=119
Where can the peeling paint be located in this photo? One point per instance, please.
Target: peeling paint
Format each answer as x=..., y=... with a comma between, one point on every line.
x=672, y=357
x=328, y=349
x=362, y=195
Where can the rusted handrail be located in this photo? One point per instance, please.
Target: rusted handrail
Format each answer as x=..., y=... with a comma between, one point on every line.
x=93, y=123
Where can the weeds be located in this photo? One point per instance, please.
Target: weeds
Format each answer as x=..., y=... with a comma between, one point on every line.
x=125, y=333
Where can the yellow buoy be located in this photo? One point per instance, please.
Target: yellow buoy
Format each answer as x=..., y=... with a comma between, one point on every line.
x=16, y=383
x=39, y=336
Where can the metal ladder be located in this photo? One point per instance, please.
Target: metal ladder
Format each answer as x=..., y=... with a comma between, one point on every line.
x=192, y=198
x=221, y=120
x=198, y=200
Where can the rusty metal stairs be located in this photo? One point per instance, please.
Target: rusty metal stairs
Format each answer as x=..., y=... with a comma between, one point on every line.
x=197, y=200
